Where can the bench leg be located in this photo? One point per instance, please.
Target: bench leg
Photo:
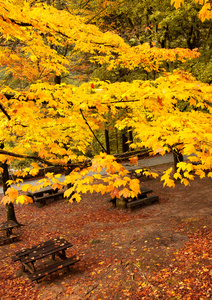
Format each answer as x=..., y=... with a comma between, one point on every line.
x=62, y=255
x=30, y=267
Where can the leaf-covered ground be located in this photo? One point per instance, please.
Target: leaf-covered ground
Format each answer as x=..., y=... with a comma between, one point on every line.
x=161, y=251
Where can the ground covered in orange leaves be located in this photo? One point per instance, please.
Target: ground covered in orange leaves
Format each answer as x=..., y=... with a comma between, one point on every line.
x=161, y=251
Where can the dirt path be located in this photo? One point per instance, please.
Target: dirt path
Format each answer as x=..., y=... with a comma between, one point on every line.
x=154, y=252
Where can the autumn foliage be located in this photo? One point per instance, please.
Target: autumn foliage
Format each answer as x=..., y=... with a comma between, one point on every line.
x=54, y=123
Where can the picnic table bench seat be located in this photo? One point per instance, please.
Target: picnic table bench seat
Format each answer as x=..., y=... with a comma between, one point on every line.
x=57, y=266
x=12, y=238
x=54, y=247
x=8, y=227
x=43, y=198
x=45, y=194
x=24, y=252
x=35, y=252
x=141, y=201
x=142, y=198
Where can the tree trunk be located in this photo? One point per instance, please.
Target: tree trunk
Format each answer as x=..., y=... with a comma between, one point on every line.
x=107, y=141
x=9, y=206
x=130, y=136
x=178, y=157
x=125, y=146
x=67, y=171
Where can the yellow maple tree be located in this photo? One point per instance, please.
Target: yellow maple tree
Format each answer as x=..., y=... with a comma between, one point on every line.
x=205, y=12
x=54, y=124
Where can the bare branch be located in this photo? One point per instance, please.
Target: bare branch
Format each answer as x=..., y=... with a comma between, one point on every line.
x=4, y=112
x=93, y=132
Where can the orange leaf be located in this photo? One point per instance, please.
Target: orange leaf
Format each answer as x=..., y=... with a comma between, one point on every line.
x=134, y=160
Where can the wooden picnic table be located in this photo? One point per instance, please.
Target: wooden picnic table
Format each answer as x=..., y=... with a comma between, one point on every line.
x=7, y=229
x=142, y=198
x=55, y=247
x=8, y=226
x=44, y=194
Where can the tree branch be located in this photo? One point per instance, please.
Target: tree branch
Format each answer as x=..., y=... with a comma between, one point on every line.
x=84, y=164
x=93, y=132
x=4, y=152
x=4, y=112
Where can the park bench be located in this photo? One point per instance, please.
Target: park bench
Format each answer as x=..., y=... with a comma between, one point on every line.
x=55, y=247
x=57, y=266
x=46, y=194
x=142, y=199
x=7, y=228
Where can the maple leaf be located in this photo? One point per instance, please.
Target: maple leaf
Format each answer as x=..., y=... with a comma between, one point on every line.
x=9, y=182
x=68, y=192
x=57, y=186
x=177, y=3
x=5, y=200
x=210, y=174
x=34, y=171
x=134, y=160
x=12, y=194
x=115, y=193
x=125, y=193
x=26, y=187
x=23, y=199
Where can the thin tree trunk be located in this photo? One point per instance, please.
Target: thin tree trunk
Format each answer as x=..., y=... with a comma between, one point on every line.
x=107, y=141
x=68, y=171
x=117, y=141
x=125, y=146
x=178, y=157
x=9, y=206
x=130, y=136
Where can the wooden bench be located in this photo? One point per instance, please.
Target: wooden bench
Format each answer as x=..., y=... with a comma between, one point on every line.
x=43, y=198
x=10, y=238
x=45, y=194
x=7, y=227
x=57, y=266
x=138, y=202
x=30, y=256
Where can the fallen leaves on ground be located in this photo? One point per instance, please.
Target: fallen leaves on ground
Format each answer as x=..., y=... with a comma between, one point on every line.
x=149, y=253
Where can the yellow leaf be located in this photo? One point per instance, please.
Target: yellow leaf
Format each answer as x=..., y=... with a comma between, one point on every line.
x=34, y=172
x=26, y=187
x=68, y=192
x=125, y=193
x=33, y=58
x=57, y=175
x=23, y=199
x=210, y=174
x=177, y=3
x=5, y=200
x=75, y=197
x=12, y=194
x=57, y=186
x=9, y=182
x=97, y=176
x=185, y=181
x=134, y=160
x=49, y=175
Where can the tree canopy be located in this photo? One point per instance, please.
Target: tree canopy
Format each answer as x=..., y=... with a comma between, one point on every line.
x=44, y=118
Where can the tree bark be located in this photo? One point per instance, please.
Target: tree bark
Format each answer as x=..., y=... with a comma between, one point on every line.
x=130, y=136
x=178, y=157
x=9, y=206
x=125, y=146
x=107, y=141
